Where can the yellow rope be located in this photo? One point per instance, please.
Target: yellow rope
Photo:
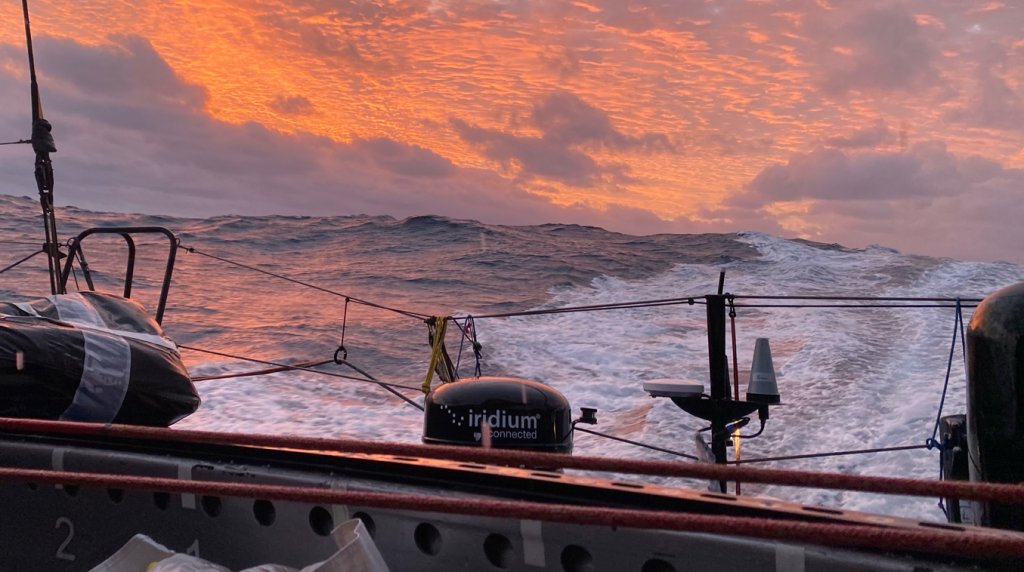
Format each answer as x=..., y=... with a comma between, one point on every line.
x=435, y=350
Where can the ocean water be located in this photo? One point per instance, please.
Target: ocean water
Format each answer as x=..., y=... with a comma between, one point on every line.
x=850, y=378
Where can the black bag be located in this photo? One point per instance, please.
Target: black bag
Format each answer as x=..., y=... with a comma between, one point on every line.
x=90, y=357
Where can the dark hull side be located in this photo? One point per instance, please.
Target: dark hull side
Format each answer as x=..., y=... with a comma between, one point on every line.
x=58, y=527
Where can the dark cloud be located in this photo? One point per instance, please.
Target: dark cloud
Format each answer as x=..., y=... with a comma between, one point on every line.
x=565, y=119
x=925, y=170
x=148, y=146
x=126, y=68
x=292, y=105
x=569, y=127
x=143, y=146
x=563, y=61
x=404, y=159
x=533, y=156
x=994, y=102
x=912, y=200
x=888, y=50
x=336, y=34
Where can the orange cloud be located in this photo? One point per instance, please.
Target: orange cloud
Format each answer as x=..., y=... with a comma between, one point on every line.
x=710, y=96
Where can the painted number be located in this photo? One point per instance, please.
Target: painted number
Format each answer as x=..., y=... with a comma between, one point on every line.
x=193, y=549
x=63, y=545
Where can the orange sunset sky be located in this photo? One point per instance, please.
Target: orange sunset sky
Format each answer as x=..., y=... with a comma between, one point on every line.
x=899, y=123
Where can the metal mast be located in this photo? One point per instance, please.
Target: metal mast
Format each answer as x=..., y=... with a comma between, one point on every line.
x=42, y=144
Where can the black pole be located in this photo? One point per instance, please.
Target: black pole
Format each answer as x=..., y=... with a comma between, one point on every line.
x=719, y=369
x=43, y=145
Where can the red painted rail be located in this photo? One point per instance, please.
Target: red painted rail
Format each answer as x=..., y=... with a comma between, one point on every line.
x=992, y=492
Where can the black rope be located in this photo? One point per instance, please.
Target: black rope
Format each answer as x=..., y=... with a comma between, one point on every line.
x=21, y=242
x=958, y=328
x=264, y=371
x=384, y=385
x=23, y=260
x=637, y=443
x=18, y=142
x=830, y=454
x=299, y=368
x=407, y=313
x=304, y=367
x=471, y=326
x=932, y=442
x=468, y=332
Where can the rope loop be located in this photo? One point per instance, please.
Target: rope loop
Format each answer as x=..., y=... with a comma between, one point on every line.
x=440, y=362
x=341, y=351
x=932, y=443
x=468, y=331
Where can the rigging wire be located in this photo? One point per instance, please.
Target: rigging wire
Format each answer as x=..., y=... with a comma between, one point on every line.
x=689, y=301
x=932, y=442
x=21, y=242
x=299, y=368
x=375, y=380
x=856, y=298
x=264, y=371
x=193, y=250
x=22, y=261
x=894, y=305
x=958, y=328
x=468, y=332
x=828, y=454
x=877, y=301
x=637, y=443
